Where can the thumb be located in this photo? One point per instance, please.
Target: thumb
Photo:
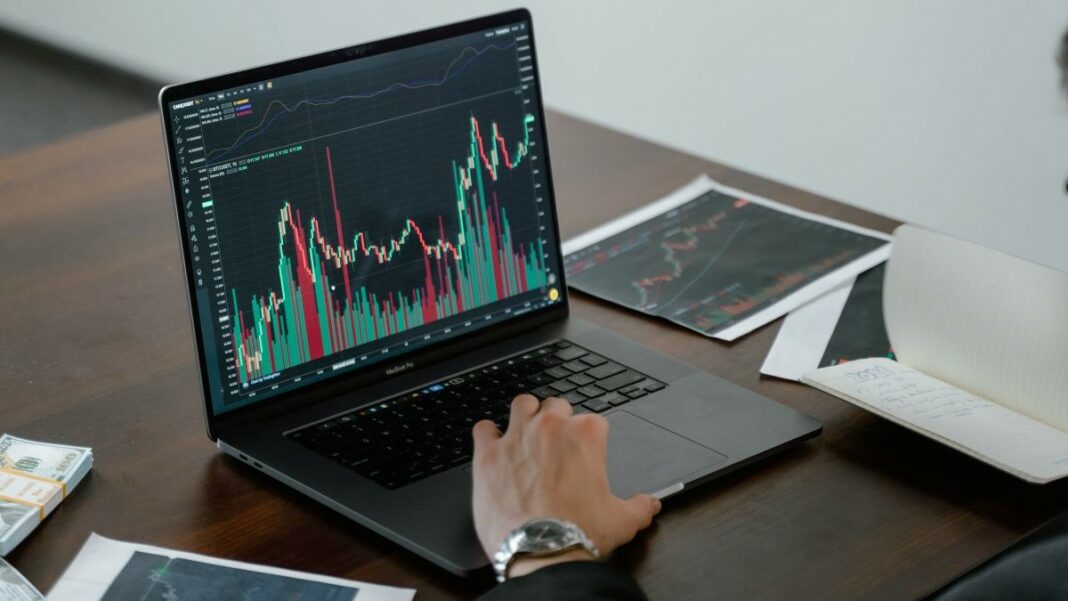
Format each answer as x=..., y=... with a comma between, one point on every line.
x=643, y=508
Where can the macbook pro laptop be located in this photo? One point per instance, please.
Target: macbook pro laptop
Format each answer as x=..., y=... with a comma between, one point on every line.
x=373, y=265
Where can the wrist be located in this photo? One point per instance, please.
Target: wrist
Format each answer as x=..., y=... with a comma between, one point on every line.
x=527, y=565
x=549, y=540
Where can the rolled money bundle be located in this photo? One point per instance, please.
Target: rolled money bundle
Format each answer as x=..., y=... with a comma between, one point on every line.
x=34, y=478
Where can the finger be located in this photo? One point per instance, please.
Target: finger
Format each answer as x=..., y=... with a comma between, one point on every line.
x=524, y=407
x=556, y=405
x=642, y=509
x=594, y=430
x=485, y=433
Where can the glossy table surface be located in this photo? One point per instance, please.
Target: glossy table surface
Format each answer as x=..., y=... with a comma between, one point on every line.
x=95, y=349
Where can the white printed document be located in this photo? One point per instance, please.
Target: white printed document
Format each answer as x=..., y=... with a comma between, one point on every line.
x=717, y=260
x=109, y=570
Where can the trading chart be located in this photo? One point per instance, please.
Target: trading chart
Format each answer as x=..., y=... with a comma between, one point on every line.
x=861, y=331
x=149, y=577
x=323, y=303
x=368, y=207
x=713, y=260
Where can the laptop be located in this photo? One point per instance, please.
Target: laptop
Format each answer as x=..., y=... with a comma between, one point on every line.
x=373, y=265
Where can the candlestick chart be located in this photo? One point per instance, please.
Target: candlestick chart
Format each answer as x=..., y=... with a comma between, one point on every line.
x=154, y=577
x=362, y=208
x=713, y=260
x=336, y=290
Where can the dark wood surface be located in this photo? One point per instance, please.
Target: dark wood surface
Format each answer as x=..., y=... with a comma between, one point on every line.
x=95, y=349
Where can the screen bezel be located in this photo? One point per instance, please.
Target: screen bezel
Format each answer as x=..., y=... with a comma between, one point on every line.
x=433, y=352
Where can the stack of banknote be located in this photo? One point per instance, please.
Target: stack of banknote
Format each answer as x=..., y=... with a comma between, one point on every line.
x=34, y=478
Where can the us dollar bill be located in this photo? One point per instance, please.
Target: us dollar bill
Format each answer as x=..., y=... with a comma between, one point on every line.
x=64, y=464
x=14, y=585
x=12, y=515
x=46, y=460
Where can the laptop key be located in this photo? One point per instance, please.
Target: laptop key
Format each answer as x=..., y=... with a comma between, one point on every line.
x=570, y=353
x=515, y=391
x=620, y=380
x=652, y=386
x=354, y=464
x=613, y=398
x=581, y=379
x=557, y=373
x=574, y=397
x=528, y=367
x=603, y=371
x=543, y=392
x=596, y=405
x=575, y=366
x=591, y=391
x=562, y=386
x=549, y=361
x=541, y=379
x=594, y=360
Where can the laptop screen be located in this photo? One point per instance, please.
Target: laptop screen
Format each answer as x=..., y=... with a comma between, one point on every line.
x=345, y=215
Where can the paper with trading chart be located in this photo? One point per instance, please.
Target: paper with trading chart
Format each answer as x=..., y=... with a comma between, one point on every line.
x=718, y=260
x=110, y=570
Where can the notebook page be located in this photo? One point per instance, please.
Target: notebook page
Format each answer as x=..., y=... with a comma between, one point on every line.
x=986, y=322
x=983, y=429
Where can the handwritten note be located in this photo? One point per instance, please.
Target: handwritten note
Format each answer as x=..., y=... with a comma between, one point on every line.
x=1008, y=440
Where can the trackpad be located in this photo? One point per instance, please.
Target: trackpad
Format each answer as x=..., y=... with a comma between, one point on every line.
x=643, y=457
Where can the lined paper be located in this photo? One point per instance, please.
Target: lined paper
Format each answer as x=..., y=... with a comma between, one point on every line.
x=989, y=323
x=1006, y=439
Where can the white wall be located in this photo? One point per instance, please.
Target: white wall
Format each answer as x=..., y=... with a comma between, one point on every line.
x=942, y=112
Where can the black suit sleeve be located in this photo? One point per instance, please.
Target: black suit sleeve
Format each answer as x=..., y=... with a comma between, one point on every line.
x=570, y=581
x=1033, y=568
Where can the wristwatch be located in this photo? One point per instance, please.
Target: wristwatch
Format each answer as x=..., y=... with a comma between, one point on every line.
x=539, y=537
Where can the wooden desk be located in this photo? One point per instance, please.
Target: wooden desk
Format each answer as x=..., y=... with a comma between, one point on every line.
x=95, y=350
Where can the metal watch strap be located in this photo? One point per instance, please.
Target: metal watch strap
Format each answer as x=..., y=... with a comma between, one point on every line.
x=518, y=543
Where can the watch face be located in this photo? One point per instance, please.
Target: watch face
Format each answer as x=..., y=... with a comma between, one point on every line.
x=541, y=532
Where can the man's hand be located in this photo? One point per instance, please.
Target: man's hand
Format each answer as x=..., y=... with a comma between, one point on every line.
x=550, y=463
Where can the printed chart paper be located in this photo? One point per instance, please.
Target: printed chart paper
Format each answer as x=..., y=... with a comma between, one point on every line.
x=109, y=570
x=718, y=260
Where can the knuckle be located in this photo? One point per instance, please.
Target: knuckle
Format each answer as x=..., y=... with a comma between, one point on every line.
x=547, y=421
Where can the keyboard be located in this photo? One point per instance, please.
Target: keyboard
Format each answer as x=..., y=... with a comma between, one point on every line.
x=417, y=434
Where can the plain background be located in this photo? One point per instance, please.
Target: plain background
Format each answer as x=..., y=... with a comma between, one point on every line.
x=946, y=113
